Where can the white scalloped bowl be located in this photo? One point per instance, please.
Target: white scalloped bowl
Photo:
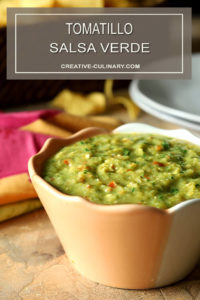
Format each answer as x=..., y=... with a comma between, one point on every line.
x=125, y=245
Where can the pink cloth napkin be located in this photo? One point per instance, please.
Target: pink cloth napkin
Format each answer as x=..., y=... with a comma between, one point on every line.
x=17, y=146
x=19, y=119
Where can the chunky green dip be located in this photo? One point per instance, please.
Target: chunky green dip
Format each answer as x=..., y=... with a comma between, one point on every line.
x=145, y=169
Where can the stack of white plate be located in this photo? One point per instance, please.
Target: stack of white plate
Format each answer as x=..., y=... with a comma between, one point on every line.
x=176, y=101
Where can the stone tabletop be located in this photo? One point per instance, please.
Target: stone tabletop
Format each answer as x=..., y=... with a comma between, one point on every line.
x=33, y=265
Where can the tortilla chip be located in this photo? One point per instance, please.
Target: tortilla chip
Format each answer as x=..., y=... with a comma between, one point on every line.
x=4, y=4
x=16, y=188
x=44, y=127
x=129, y=105
x=78, y=104
x=127, y=102
x=3, y=10
x=33, y=3
x=79, y=3
x=107, y=120
x=132, y=3
x=117, y=3
x=16, y=209
x=76, y=123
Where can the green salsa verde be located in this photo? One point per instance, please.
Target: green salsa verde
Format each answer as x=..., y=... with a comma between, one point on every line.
x=146, y=169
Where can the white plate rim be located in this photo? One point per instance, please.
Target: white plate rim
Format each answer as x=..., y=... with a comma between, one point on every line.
x=136, y=94
x=167, y=117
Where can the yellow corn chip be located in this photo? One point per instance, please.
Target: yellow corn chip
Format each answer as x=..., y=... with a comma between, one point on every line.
x=74, y=123
x=34, y=3
x=16, y=209
x=44, y=127
x=132, y=3
x=117, y=3
x=80, y=3
x=107, y=120
x=131, y=107
x=4, y=4
x=78, y=104
x=16, y=188
x=3, y=10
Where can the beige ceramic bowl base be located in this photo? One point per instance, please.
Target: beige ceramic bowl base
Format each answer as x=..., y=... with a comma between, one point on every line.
x=124, y=246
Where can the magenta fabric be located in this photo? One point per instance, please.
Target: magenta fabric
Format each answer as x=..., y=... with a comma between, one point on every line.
x=18, y=119
x=17, y=146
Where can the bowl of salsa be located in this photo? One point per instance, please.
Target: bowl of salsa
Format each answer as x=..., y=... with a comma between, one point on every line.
x=124, y=204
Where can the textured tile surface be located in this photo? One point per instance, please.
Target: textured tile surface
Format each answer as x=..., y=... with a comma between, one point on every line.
x=34, y=266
